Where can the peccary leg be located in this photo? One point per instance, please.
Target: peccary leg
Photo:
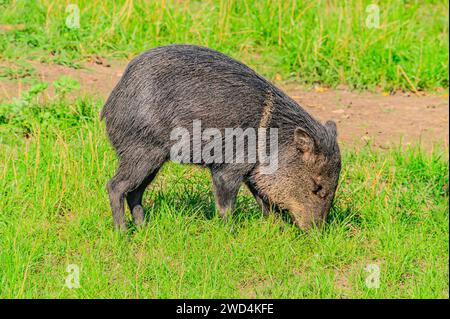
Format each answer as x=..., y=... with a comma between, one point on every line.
x=134, y=199
x=265, y=206
x=131, y=174
x=226, y=186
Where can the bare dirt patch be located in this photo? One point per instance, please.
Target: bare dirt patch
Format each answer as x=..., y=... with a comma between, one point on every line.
x=361, y=117
x=382, y=120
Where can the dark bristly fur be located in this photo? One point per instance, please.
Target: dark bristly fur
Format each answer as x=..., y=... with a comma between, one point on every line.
x=170, y=86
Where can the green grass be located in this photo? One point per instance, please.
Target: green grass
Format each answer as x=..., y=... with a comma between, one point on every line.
x=325, y=42
x=391, y=210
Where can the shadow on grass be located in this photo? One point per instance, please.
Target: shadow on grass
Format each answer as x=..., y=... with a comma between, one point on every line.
x=198, y=202
x=341, y=215
x=189, y=201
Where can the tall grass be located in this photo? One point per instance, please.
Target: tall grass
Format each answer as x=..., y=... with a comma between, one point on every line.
x=391, y=212
x=326, y=42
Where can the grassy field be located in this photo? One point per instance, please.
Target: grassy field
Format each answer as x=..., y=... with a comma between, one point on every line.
x=391, y=212
x=387, y=235
x=311, y=42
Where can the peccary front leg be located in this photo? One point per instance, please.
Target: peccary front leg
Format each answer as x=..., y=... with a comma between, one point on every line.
x=265, y=205
x=226, y=186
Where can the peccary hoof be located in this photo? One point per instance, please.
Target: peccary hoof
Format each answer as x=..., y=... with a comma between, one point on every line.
x=138, y=215
x=121, y=228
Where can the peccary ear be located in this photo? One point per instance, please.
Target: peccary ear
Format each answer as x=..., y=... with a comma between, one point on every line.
x=304, y=141
x=331, y=126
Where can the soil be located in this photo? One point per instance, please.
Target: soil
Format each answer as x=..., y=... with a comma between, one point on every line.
x=384, y=120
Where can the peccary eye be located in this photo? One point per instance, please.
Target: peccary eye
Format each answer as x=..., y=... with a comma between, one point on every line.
x=317, y=188
x=319, y=191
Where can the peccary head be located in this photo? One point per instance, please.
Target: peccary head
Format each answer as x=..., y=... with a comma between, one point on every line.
x=307, y=177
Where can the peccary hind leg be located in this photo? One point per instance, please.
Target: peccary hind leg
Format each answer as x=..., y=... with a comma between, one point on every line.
x=134, y=199
x=226, y=186
x=131, y=179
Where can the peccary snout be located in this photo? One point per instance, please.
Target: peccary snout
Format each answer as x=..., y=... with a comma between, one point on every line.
x=306, y=217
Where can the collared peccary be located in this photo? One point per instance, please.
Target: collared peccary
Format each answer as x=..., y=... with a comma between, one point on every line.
x=171, y=87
